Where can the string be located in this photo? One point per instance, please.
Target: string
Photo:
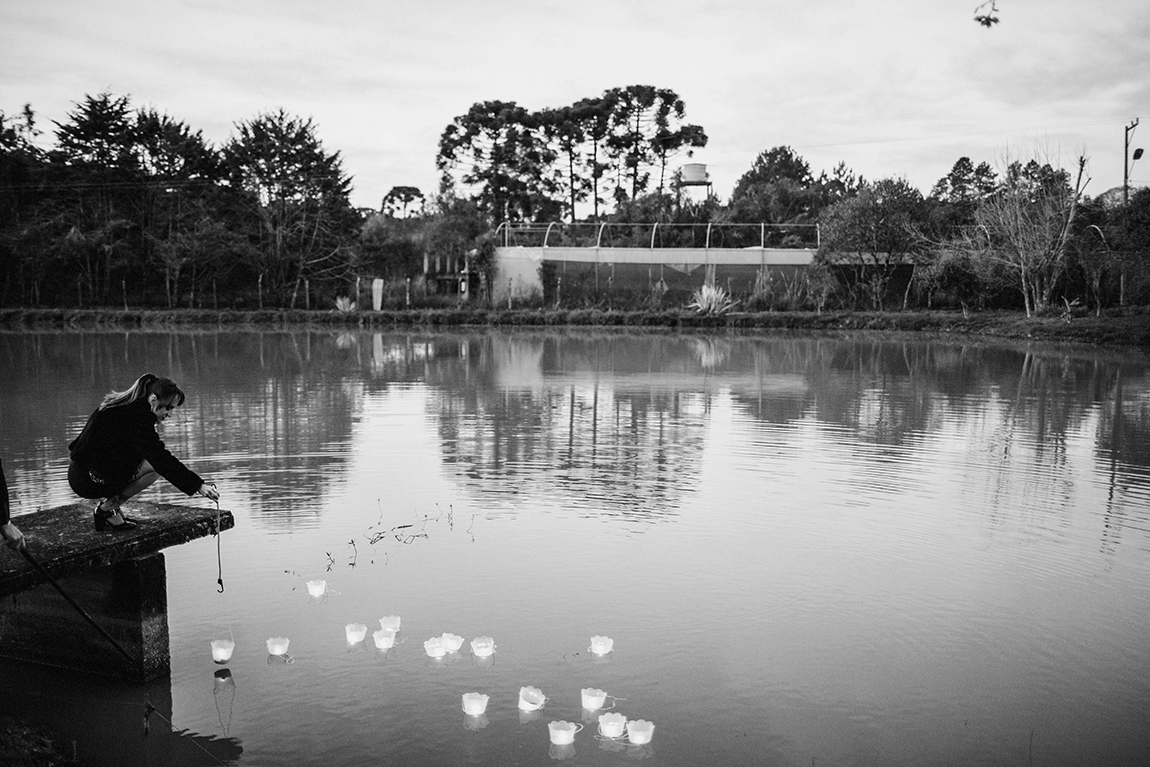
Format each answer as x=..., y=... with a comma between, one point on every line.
x=219, y=555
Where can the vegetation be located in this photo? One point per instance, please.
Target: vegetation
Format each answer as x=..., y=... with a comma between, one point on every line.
x=133, y=209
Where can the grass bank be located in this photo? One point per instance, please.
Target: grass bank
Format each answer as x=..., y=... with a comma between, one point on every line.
x=1128, y=327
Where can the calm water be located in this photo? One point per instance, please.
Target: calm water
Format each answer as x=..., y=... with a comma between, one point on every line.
x=806, y=550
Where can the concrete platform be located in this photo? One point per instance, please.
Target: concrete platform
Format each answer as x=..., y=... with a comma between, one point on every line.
x=119, y=579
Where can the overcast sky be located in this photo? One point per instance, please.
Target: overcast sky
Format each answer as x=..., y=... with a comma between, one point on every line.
x=891, y=87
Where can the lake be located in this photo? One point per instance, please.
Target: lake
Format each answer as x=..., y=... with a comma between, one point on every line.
x=828, y=550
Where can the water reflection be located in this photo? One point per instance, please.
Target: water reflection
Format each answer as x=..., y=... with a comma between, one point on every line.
x=615, y=418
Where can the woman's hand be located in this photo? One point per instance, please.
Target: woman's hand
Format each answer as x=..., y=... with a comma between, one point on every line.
x=12, y=536
x=209, y=491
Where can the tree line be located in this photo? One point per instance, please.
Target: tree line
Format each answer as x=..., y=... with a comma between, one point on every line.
x=130, y=206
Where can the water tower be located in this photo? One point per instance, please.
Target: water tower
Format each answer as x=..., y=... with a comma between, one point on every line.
x=695, y=174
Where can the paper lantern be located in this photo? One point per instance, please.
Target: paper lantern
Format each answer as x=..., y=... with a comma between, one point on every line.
x=389, y=622
x=593, y=699
x=434, y=647
x=355, y=632
x=384, y=638
x=601, y=645
x=474, y=703
x=222, y=650
x=612, y=725
x=316, y=588
x=563, y=733
x=482, y=647
x=278, y=646
x=531, y=698
x=451, y=642
x=640, y=731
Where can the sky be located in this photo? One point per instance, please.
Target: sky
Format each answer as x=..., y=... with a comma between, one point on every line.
x=893, y=88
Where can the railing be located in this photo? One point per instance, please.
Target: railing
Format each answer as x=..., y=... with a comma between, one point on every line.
x=658, y=235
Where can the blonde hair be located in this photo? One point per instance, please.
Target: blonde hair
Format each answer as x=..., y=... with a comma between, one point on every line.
x=145, y=386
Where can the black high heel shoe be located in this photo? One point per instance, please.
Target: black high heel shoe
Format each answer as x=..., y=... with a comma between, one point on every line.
x=102, y=519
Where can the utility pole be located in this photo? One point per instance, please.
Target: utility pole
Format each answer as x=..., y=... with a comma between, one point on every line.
x=1126, y=162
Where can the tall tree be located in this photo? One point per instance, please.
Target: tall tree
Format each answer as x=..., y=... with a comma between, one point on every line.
x=646, y=129
x=499, y=147
x=398, y=199
x=299, y=195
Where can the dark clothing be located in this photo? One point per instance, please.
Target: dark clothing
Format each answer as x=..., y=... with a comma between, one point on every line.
x=5, y=510
x=113, y=444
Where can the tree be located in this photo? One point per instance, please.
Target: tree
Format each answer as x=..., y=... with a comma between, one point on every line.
x=646, y=129
x=298, y=195
x=873, y=236
x=501, y=149
x=398, y=199
x=1026, y=227
x=566, y=128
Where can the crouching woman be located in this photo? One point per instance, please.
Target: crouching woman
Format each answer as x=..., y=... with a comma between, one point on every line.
x=119, y=453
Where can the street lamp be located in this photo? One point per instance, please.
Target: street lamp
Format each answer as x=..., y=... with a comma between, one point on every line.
x=1127, y=163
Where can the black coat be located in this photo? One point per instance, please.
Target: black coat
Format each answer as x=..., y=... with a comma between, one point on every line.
x=117, y=439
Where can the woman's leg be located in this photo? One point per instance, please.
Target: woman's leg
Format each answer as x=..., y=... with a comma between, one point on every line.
x=145, y=476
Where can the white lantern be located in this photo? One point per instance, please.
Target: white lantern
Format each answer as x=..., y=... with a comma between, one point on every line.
x=316, y=588
x=384, y=639
x=222, y=650
x=278, y=645
x=611, y=725
x=451, y=642
x=474, y=703
x=434, y=647
x=640, y=731
x=593, y=699
x=601, y=645
x=531, y=698
x=389, y=622
x=355, y=632
x=482, y=647
x=562, y=732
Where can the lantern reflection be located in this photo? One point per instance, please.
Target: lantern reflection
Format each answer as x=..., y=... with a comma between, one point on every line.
x=475, y=723
x=562, y=752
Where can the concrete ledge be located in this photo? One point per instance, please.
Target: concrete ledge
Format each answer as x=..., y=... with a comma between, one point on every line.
x=65, y=542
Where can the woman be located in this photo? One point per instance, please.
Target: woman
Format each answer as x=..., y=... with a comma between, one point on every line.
x=119, y=453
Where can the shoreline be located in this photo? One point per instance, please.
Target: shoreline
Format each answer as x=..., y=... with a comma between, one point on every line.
x=1118, y=328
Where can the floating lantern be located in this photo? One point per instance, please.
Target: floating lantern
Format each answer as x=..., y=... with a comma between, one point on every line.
x=474, y=703
x=640, y=731
x=389, y=622
x=355, y=632
x=563, y=733
x=434, y=647
x=482, y=647
x=611, y=725
x=593, y=699
x=531, y=698
x=601, y=645
x=222, y=650
x=278, y=646
x=451, y=642
x=316, y=588
x=384, y=639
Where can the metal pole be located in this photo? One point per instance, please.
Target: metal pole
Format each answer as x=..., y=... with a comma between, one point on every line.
x=1126, y=162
